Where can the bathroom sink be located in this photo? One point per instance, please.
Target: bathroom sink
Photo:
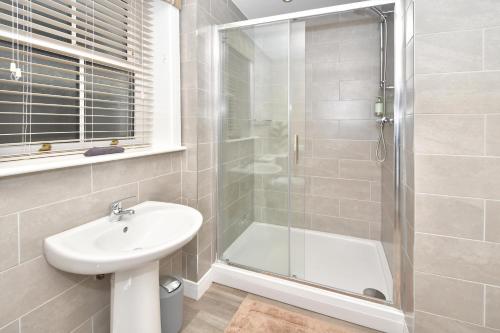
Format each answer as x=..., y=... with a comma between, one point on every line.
x=131, y=250
x=155, y=230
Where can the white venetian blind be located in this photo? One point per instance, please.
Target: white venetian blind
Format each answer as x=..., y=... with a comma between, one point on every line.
x=74, y=74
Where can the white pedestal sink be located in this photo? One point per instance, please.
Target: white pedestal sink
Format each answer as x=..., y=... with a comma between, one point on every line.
x=130, y=249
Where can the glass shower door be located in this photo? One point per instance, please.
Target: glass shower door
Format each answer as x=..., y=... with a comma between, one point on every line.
x=254, y=149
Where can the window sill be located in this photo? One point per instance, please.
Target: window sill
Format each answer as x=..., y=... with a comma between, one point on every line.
x=14, y=168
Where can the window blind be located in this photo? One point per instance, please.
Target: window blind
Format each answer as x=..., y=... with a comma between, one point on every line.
x=74, y=74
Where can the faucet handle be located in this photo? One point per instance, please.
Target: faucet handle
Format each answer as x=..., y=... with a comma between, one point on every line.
x=118, y=203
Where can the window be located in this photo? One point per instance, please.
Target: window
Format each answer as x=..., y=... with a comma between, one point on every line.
x=74, y=74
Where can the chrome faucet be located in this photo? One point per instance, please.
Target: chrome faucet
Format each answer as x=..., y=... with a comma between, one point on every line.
x=117, y=211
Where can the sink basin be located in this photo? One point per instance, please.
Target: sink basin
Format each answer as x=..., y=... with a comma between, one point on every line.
x=131, y=249
x=156, y=230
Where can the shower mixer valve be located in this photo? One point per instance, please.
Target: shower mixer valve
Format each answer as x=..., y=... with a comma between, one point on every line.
x=385, y=120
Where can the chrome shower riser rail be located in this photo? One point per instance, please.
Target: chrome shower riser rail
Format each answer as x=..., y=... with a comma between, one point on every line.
x=307, y=14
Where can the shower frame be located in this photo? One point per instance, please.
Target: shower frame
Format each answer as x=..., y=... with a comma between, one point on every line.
x=218, y=106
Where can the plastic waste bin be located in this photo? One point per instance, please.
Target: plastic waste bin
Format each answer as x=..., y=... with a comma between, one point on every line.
x=171, y=302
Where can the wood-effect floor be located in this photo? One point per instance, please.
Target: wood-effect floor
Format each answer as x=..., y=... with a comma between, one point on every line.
x=214, y=311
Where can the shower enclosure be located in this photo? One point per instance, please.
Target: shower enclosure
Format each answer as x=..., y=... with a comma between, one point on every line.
x=307, y=161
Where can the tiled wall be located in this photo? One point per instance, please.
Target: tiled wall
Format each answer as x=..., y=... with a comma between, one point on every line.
x=34, y=297
x=457, y=163
x=343, y=65
x=237, y=150
x=198, y=123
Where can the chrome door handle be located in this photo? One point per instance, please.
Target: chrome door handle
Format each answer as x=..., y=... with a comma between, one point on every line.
x=296, y=148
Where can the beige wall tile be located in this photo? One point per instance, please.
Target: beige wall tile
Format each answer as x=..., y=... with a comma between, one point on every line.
x=127, y=171
x=450, y=216
x=319, y=53
x=362, y=170
x=320, y=167
x=39, y=223
x=340, y=226
x=452, y=175
x=336, y=110
x=340, y=188
x=322, y=129
x=449, y=134
x=492, y=307
x=358, y=130
x=452, y=15
x=21, y=290
x=322, y=205
x=204, y=262
x=101, y=321
x=205, y=235
x=458, y=258
x=449, y=297
x=359, y=90
x=12, y=328
x=472, y=93
x=204, y=156
x=32, y=190
x=375, y=191
x=8, y=242
x=164, y=188
x=325, y=92
x=84, y=328
x=492, y=139
x=449, y=52
x=329, y=72
x=68, y=310
x=365, y=49
x=205, y=207
x=492, y=49
x=206, y=181
x=492, y=221
x=429, y=323
x=271, y=199
x=337, y=149
x=361, y=210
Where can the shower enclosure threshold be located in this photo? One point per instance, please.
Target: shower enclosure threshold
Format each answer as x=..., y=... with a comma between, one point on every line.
x=359, y=311
x=342, y=262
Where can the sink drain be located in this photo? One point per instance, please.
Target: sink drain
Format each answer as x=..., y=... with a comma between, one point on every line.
x=375, y=293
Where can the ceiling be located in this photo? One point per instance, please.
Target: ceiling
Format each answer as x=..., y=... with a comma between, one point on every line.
x=262, y=8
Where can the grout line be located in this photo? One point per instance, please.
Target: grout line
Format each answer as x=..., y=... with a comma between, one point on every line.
x=76, y=197
x=18, y=239
x=459, y=238
x=484, y=305
x=92, y=178
x=82, y=324
x=483, y=49
x=20, y=264
x=53, y=298
x=454, y=319
x=485, y=126
x=418, y=75
x=454, y=278
x=10, y=323
x=484, y=220
x=453, y=196
x=90, y=193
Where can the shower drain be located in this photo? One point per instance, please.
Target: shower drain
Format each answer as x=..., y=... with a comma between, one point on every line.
x=375, y=293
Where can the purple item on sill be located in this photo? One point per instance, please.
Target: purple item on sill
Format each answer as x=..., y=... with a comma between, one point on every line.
x=96, y=151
